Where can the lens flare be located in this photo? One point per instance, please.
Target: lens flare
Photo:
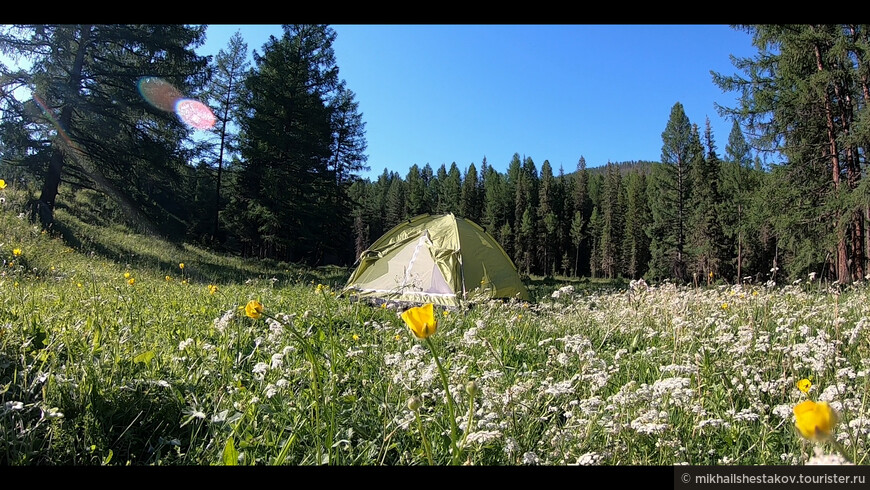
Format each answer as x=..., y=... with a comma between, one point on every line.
x=195, y=114
x=159, y=93
x=164, y=96
x=52, y=119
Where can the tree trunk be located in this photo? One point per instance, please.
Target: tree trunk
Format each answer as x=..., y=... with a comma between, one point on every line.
x=841, y=256
x=48, y=196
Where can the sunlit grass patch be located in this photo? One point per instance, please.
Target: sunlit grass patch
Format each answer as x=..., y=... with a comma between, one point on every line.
x=96, y=370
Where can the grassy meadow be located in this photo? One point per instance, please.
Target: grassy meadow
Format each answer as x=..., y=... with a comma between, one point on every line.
x=113, y=353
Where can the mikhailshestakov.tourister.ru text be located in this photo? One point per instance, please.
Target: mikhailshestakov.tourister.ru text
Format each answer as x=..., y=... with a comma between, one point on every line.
x=736, y=478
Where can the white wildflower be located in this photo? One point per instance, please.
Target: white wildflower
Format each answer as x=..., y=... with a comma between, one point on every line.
x=220, y=324
x=819, y=458
x=511, y=446
x=260, y=368
x=14, y=406
x=530, y=458
x=277, y=360
x=589, y=459
x=483, y=436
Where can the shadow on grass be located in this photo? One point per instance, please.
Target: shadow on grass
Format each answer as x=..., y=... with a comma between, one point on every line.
x=95, y=236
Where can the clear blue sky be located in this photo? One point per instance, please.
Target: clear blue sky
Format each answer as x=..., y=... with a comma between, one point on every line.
x=456, y=93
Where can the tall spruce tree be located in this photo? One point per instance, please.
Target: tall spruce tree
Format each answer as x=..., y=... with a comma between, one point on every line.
x=706, y=239
x=635, y=244
x=582, y=204
x=736, y=189
x=416, y=192
x=469, y=197
x=668, y=193
x=610, y=230
x=548, y=222
x=287, y=202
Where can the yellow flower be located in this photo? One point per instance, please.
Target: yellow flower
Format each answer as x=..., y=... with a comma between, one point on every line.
x=724, y=306
x=254, y=309
x=2, y=184
x=421, y=320
x=804, y=385
x=126, y=275
x=212, y=289
x=181, y=265
x=168, y=278
x=78, y=284
x=17, y=252
x=815, y=421
x=131, y=281
x=355, y=337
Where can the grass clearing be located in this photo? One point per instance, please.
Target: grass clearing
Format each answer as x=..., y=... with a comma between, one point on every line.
x=167, y=371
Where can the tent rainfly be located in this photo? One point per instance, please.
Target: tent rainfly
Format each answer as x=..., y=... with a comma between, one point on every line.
x=438, y=259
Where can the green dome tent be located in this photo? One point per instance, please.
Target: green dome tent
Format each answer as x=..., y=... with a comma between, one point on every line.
x=436, y=259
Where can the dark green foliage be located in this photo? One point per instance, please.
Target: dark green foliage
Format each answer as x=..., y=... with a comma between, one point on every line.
x=635, y=244
x=290, y=200
x=804, y=96
x=706, y=238
x=84, y=80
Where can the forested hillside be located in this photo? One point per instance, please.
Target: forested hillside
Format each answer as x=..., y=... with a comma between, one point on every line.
x=277, y=176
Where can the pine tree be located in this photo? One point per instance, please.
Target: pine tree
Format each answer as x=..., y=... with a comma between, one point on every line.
x=611, y=225
x=736, y=191
x=450, y=190
x=395, y=206
x=546, y=216
x=577, y=234
x=582, y=204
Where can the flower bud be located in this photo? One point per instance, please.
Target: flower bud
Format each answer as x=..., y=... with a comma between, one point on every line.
x=471, y=387
x=414, y=403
